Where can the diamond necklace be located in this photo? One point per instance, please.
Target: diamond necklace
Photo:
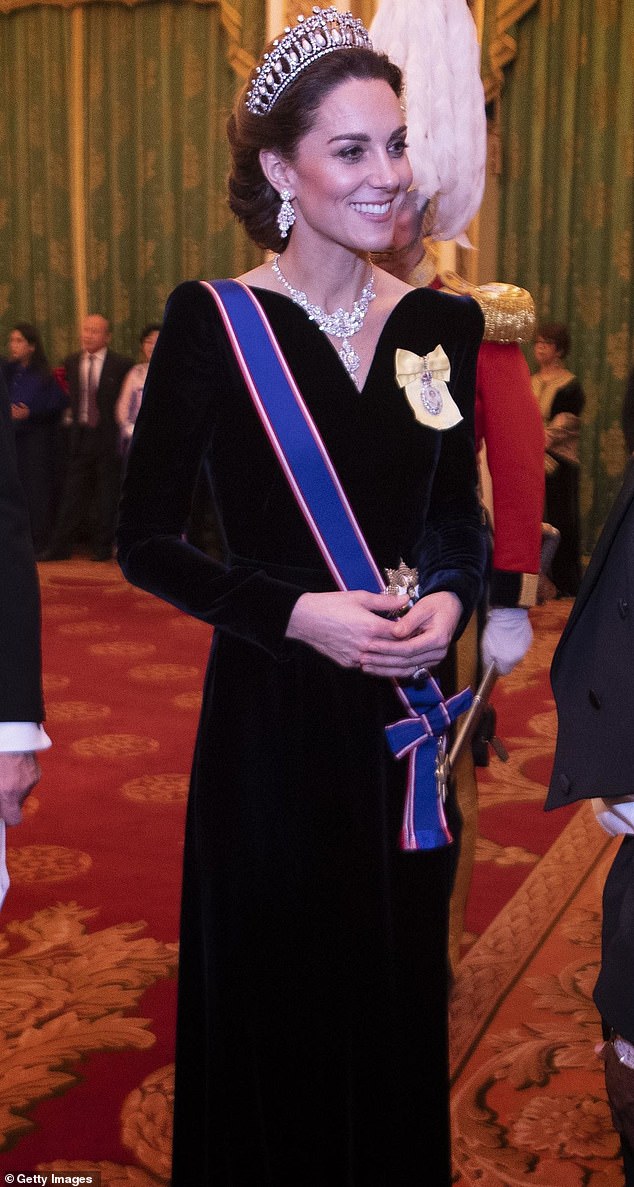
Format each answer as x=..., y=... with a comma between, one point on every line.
x=341, y=324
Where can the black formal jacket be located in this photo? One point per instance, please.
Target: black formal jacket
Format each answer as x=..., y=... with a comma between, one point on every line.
x=114, y=371
x=593, y=681
x=20, y=661
x=593, y=670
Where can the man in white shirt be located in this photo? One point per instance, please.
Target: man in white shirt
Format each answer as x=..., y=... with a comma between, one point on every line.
x=21, y=706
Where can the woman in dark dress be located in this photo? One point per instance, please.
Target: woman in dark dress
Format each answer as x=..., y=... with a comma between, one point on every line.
x=561, y=400
x=312, y=1021
x=627, y=414
x=37, y=401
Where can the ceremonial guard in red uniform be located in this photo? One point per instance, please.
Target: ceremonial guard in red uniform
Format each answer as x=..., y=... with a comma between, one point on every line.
x=510, y=440
x=437, y=42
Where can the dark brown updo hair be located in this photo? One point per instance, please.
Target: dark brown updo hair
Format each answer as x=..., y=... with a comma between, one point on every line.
x=251, y=198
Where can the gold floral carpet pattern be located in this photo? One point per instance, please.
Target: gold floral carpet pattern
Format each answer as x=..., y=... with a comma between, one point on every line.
x=88, y=934
x=528, y=1102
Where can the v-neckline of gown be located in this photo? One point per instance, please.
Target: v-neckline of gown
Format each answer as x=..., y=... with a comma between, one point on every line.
x=358, y=391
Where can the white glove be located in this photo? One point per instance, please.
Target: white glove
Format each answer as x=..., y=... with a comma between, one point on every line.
x=506, y=637
x=616, y=817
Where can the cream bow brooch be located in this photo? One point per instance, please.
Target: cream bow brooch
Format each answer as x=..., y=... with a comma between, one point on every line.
x=424, y=379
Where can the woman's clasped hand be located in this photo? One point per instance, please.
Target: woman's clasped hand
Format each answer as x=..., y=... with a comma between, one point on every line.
x=357, y=629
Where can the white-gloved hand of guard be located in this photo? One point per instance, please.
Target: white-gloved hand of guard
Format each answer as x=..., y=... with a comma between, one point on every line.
x=506, y=637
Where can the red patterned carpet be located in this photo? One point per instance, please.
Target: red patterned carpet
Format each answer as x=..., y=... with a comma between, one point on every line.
x=91, y=920
x=514, y=831
x=88, y=932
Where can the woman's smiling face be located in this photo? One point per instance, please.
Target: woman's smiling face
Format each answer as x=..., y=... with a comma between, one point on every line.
x=350, y=172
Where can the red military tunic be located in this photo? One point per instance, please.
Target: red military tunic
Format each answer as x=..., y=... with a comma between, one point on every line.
x=509, y=423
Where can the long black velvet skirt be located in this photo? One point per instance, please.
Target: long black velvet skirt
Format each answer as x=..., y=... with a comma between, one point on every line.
x=312, y=1022
x=562, y=511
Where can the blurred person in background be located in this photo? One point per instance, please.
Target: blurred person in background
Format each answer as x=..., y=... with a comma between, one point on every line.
x=627, y=414
x=37, y=402
x=560, y=398
x=93, y=478
x=129, y=402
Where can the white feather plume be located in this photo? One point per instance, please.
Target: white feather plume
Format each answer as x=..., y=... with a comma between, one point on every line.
x=435, y=44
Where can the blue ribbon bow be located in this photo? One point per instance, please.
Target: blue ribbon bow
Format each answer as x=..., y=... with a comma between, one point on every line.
x=421, y=738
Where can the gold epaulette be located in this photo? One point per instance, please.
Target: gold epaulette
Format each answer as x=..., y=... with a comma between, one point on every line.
x=509, y=311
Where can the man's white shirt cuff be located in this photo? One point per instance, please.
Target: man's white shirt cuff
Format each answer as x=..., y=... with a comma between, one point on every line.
x=20, y=737
x=616, y=817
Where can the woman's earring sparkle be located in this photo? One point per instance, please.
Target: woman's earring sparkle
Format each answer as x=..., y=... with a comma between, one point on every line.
x=285, y=214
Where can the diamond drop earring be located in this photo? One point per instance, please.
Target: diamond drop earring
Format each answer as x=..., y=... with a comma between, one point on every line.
x=285, y=214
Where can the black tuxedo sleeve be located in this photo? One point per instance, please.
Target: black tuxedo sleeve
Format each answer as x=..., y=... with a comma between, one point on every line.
x=20, y=659
x=592, y=671
x=115, y=369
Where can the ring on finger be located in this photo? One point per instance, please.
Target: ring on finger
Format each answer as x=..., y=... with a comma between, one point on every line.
x=420, y=673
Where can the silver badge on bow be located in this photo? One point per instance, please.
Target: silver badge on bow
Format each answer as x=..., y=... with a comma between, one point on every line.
x=430, y=392
x=403, y=581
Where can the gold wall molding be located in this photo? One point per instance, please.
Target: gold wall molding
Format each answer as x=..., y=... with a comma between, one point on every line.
x=239, y=60
x=230, y=17
x=77, y=170
x=502, y=47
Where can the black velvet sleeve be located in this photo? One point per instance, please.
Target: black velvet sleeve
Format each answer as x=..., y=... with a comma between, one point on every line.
x=454, y=551
x=20, y=664
x=569, y=398
x=188, y=374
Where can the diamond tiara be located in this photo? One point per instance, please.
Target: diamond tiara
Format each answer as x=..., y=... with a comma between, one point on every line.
x=312, y=37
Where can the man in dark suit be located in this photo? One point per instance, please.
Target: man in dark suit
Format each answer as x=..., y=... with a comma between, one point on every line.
x=593, y=682
x=94, y=375
x=21, y=708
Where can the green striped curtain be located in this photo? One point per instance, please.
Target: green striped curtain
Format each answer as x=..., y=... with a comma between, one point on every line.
x=36, y=279
x=567, y=211
x=113, y=159
x=158, y=89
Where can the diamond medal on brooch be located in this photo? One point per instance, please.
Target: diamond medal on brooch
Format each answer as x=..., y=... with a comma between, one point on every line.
x=403, y=581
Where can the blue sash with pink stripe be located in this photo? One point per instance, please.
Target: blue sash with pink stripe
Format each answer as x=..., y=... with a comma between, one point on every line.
x=421, y=735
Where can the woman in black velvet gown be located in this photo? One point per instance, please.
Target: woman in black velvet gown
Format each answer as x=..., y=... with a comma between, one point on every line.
x=312, y=1023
